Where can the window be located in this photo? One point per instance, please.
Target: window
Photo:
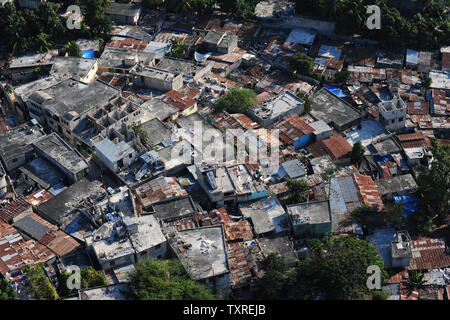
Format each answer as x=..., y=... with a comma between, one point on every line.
x=392, y=121
x=400, y=119
x=130, y=155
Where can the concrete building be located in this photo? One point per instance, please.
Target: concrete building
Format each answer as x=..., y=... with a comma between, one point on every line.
x=110, y=121
x=124, y=13
x=398, y=185
x=63, y=106
x=291, y=169
x=189, y=69
x=158, y=79
x=157, y=133
x=311, y=219
x=146, y=237
x=233, y=184
x=267, y=216
x=321, y=130
x=333, y=110
x=393, y=114
x=16, y=145
x=77, y=68
x=203, y=254
x=111, y=246
x=276, y=108
x=116, y=60
x=21, y=68
x=394, y=247
x=115, y=154
x=40, y=173
x=173, y=209
x=220, y=42
x=52, y=148
x=281, y=246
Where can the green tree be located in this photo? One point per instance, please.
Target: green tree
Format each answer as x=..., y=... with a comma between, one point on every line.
x=237, y=100
x=357, y=152
x=380, y=295
x=275, y=279
x=9, y=88
x=6, y=291
x=305, y=98
x=165, y=280
x=91, y=278
x=434, y=184
x=301, y=63
x=419, y=223
x=177, y=48
x=338, y=272
x=95, y=18
x=394, y=215
x=153, y=4
x=368, y=217
x=415, y=280
x=72, y=49
x=341, y=76
x=427, y=82
x=38, y=284
x=297, y=190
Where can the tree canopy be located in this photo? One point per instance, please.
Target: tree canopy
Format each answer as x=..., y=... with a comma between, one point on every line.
x=91, y=278
x=165, y=280
x=368, y=217
x=297, y=190
x=275, y=278
x=301, y=63
x=338, y=271
x=341, y=76
x=357, y=152
x=433, y=188
x=73, y=49
x=426, y=26
x=39, y=285
x=237, y=100
x=6, y=291
x=305, y=98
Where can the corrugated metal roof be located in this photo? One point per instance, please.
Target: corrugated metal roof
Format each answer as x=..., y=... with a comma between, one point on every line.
x=14, y=208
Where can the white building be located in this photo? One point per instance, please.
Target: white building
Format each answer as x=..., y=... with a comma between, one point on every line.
x=115, y=154
x=393, y=114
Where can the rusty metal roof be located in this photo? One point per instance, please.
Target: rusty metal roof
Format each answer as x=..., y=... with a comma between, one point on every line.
x=16, y=253
x=159, y=189
x=14, y=208
x=39, y=197
x=367, y=190
x=337, y=146
x=291, y=128
x=428, y=253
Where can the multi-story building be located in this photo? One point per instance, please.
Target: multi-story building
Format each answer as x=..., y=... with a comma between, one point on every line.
x=393, y=114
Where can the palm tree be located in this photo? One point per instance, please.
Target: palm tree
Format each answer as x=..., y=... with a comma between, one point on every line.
x=416, y=280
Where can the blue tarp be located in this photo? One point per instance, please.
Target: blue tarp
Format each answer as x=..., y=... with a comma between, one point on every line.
x=410, y=204
x=336, y=91
x=88, y=54
x=383, y=158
